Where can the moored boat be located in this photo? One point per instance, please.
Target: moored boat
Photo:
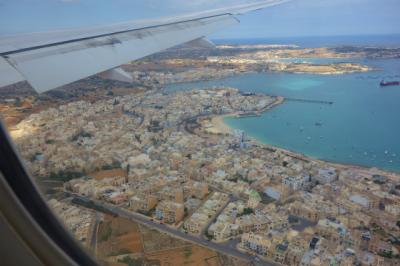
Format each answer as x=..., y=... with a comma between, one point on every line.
x=389, y=83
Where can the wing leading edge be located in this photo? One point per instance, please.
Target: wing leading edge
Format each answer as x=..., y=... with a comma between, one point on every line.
x=50, y=60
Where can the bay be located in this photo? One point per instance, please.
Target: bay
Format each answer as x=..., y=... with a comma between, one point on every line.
x=361, y=127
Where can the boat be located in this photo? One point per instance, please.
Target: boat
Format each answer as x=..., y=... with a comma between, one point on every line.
x=389, y=83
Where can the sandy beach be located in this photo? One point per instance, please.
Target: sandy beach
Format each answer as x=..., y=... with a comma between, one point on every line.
x=218, y=126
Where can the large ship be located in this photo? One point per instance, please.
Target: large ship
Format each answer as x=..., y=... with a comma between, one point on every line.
x=389, y=83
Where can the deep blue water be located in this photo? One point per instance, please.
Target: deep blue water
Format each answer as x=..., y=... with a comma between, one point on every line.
x=362, y=127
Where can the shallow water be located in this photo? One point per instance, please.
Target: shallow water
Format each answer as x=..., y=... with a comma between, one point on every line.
x=361, y=127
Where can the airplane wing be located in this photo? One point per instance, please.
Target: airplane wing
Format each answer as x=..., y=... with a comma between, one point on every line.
x=52, y=59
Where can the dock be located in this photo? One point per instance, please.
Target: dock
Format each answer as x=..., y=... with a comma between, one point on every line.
x=308, y=101
x=249, y=114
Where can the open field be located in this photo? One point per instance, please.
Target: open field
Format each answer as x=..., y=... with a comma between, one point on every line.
x=121, y=242
x=108, y=173
x=189, y=255
x=118, y=236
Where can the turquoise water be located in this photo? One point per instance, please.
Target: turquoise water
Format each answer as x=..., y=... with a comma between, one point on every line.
x=362, y=127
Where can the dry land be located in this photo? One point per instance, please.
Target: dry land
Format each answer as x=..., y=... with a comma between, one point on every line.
x=118, y=236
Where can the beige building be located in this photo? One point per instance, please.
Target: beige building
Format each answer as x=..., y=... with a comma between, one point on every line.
x=254, y=199
x=294, y=255
x=304, y=211
x=330, y=230
x=196, y=222
x=257, y=243
x=248, y=223
x=201, y=217
x=196, y=189
x=168, y=193
x=170, y=212
x=143, y=203
x=114, y=181
x=223, y=231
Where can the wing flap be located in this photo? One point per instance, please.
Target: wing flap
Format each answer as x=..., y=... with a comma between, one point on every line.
x=54, y=66
x=52, y=59
x=12, y=44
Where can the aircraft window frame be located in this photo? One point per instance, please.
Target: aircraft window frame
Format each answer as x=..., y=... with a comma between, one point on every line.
x=17, y=177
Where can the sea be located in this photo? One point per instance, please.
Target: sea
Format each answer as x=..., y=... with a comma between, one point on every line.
x=360, y=127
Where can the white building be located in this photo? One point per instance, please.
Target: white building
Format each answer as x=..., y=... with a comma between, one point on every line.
x=326, y=175
x=295, y=183
x=272, y=193
x=360, y=200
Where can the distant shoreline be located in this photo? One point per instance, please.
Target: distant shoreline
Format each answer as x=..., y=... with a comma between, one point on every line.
x=370, y=40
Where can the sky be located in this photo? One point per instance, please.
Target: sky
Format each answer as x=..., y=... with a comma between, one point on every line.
x=293, y=19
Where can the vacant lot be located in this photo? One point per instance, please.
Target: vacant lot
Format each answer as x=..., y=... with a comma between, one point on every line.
x=121, y=242
x=108, y=173
x=189, y=255
x=155, y=241
x=118, y=236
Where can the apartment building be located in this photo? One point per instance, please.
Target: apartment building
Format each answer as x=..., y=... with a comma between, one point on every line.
x=170, y=212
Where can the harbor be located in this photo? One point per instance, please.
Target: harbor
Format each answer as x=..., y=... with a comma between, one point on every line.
x=323, y=106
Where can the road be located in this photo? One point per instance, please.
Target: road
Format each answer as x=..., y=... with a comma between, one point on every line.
x=228, y=248
x=93, y=239
x=211, y=221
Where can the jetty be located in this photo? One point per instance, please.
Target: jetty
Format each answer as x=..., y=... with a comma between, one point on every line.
x=308, y=101
x=247, y=114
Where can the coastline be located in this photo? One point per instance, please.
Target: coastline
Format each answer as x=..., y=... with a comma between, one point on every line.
x=218, y=126
x=218, y=122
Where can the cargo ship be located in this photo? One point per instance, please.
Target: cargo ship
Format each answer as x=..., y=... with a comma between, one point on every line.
x=389, y=83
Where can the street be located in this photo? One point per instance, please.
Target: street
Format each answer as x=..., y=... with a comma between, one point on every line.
x=228, y=248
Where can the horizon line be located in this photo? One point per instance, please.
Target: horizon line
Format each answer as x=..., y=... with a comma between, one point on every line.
x=309, y=36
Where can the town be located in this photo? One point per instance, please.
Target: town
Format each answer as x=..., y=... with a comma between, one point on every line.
x=165, y=160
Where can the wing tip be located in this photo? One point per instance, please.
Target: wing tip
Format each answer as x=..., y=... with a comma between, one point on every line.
x=239, y=10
